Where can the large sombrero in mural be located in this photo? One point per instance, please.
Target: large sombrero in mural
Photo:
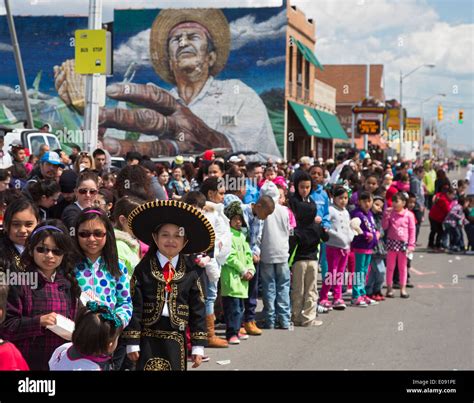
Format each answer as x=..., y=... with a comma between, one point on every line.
x=145, y=219
x=213, y=20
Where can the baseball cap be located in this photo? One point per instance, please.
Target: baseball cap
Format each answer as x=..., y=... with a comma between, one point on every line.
x=234, y=159
x=52, y=158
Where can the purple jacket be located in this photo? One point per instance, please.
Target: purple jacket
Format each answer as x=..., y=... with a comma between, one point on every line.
x=367, y=226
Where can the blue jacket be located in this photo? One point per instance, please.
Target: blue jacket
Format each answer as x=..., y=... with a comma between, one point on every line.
x=367, y=225
x=252, y=194
x=320, y=197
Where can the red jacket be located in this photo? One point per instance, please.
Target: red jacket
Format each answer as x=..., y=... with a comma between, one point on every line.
x=440, y=208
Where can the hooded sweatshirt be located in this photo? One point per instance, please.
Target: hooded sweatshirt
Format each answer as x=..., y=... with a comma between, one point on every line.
x=128, y=249
x=363, y=242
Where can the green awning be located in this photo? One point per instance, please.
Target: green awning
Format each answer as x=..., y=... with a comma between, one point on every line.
x=332, y=124
x=311, y=122
x=308, y=54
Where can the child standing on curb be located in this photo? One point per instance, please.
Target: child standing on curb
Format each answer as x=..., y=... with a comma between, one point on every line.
x=338, y=248
x=306, y=238
x=377, y=266
x=363, y=245
x=399, y=224
x=236, y=273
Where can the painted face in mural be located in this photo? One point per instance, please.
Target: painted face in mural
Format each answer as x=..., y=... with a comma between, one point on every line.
x=190, y=51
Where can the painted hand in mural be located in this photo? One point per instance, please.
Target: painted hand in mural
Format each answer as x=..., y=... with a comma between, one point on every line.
x=162, y=115
x=70, y=85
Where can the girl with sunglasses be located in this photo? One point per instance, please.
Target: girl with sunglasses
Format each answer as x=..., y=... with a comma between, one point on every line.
x=87, y=188
x=101, y=276
x=31, y=308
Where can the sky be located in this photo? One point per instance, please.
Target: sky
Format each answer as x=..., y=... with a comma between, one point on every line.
x=401, y=34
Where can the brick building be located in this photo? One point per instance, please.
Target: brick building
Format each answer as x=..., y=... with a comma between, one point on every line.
x=311, y=124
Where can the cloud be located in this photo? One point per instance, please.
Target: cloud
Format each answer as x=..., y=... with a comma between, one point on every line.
x=272, y=60
x=5, y=47
x=136, y=49
x=401, y=35
x=81, y=7
x=246, y=30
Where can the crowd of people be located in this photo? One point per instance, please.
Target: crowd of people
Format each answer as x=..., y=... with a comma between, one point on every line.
x=148, y=259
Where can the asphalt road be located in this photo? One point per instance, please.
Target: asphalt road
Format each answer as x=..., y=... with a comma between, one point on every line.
x=431, y=330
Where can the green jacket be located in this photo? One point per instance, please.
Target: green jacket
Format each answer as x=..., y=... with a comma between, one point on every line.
x=128, y=249
x=429, y=181
x=237, y=264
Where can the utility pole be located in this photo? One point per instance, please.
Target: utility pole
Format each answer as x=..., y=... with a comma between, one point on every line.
x=367, y=95
x=91, y=112
x=19, y=65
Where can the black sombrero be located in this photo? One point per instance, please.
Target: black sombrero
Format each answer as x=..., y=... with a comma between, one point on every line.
x=144, y=219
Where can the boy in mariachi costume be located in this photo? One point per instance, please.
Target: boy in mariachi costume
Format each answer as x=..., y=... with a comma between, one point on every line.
x=166, y=291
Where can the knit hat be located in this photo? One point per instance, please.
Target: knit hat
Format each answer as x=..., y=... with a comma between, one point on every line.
x=234, y=209
x=208, y=155
x=67, y=181
x=270, y=189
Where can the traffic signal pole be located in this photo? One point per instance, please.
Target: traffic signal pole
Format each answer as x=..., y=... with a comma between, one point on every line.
x=19, y=66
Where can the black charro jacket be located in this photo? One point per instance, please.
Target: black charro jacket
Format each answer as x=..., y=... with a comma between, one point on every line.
x=185, y=302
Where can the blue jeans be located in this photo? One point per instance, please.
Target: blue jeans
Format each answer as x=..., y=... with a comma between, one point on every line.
x=376, y=276
x=323, y=262
x=211, y=294
x=362, y=266
x=456, y=240
x=233, y=311
x=275, y=279
x=251, y=301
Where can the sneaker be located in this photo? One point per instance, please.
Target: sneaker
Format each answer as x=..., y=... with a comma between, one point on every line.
x=359, y=302
x=326, y=304
x=348, y=291
x=339, y=305
x=322, y=309
x=243, y=336
x=381, y=297
x=234, y=340
x=205, y=358
x=242, y=330
x=370, y=301
x=252, y=329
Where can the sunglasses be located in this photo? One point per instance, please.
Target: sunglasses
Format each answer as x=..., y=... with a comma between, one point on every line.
x=85, y=191
x=44, y=250
x=95, y=234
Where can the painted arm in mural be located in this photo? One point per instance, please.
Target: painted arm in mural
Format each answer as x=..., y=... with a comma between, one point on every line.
x=180, y=131
x=161, y=115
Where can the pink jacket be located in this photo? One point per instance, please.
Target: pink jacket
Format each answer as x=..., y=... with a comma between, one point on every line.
x=400, y=226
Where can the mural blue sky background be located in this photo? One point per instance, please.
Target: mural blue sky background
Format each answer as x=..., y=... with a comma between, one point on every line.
x=359, y=32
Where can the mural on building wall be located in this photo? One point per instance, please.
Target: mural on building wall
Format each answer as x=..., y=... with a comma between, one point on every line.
x=184, y=80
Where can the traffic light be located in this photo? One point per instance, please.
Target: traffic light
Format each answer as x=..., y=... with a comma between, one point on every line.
x=461, y=116
x=440, y=112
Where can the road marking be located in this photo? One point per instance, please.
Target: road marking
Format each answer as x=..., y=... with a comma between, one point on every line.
x=435, y=285
x=420, y=273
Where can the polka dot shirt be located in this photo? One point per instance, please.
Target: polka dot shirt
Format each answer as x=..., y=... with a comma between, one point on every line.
x=94, y=278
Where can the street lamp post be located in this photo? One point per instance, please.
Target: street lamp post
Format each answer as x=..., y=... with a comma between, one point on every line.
x=422, y=121
x=403, y=76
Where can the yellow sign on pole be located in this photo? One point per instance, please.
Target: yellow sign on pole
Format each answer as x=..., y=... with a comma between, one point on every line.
x=91, y=51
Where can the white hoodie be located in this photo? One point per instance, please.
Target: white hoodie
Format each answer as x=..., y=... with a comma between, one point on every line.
x=222, y=248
